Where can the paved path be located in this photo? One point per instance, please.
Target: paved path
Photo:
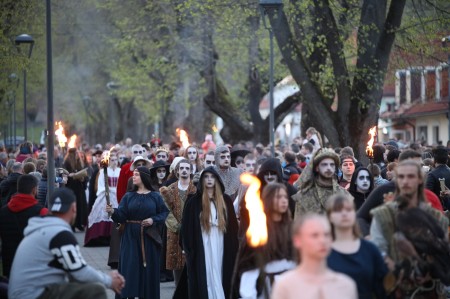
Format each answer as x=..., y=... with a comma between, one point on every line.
x=97, y=257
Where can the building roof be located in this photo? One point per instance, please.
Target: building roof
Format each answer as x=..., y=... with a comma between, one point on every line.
x=416, y=109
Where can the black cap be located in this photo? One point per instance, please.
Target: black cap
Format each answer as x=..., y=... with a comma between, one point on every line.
x=61, y=200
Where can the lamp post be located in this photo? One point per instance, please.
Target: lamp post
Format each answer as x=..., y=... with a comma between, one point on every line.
x=445, y=42
x=25, y=39
x=50, y=117
x=266, y=6
x=86, y=104
x=112, y=87
x=13, y=78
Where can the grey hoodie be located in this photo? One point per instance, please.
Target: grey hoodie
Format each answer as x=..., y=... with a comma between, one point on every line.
x=49, y=254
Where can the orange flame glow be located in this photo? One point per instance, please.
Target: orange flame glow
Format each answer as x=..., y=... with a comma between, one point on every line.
x=106, y=156
x=257, y=230
x=72, y=141
x=369, y=148
x=62, y=139
x=184, y=137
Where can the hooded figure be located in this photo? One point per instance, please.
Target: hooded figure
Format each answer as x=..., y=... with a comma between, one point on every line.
x=361, y=185
x=230, y=175
x=201, y=246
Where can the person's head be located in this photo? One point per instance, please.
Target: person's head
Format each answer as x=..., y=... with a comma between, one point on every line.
x=162, y=154
x=240, y=162
x=393, y=155
x=289, y=157
x=310, y=132
x=409, y=180
x=27, y=184
x=209, y=159
x=223, y=157
x=250, y=163
x=410, y=154
x=175, y=148
x=307, y=149
x=270, y=172
x=113, y=161
x=17, y=167
x=312, y=237
x=140, y=161
x=142, y=178
x=191, y=153
x=440, y=155
x=390, y=170
x=347, y=151
x=62, y=204
x=28, y=167
x=136, y=150
x=374, y=170
x=183, y=169
x=276, y=202
x=26, y=148
x=362, y=181
x=325, y=162
x=347, y=165
x=213, y=189
x=341, y=214
x=378, y=153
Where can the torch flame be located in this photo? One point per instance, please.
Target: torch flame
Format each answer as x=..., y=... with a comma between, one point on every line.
x=215, y=129
x=184, y=137
x=369, y=148
x=72, y=141
x=62, y=139
x=257, y=230
x=105, y=160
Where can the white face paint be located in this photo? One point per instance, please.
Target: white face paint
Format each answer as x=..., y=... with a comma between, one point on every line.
x=363, y=181
x=191, y=153
x=209, y=180
x=162, y=156
x=270, y=177
x=209, y=161
x=161, y=173
x=184, y=170
x=224, y=160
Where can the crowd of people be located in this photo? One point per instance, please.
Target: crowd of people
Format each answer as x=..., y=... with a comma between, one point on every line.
x=337, y=227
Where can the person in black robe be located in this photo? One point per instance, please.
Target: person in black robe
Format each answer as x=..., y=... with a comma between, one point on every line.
x=193, y=229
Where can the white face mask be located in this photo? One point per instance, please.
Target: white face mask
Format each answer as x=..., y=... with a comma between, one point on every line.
x=270, y=177
x=224, y=160
x=192, y=154
x=363, y=181
x=161, y=173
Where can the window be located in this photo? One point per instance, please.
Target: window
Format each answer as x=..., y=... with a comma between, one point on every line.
x=423, y=134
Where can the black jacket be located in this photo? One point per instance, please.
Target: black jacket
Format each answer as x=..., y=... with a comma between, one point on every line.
x=42, y=192
x=192, y=241
x=443, y=172
x=8, y=187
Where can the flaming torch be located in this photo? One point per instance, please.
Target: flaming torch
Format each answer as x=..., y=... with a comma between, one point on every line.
x=60, y=136
x=257, y=230
x=369, y=147
x=72, y=141
x=184, y=138
x=104, y=164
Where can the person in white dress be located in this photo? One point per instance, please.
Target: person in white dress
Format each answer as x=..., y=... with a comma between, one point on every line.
x=99, y=223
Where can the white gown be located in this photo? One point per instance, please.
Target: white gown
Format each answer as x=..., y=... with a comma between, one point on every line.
x=213, y=247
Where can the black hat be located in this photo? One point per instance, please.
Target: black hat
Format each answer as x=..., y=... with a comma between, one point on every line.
x=159, y=164
x=61, y=200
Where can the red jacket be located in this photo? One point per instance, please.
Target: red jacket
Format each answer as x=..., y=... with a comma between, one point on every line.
x=433, y=200
x=124, y=176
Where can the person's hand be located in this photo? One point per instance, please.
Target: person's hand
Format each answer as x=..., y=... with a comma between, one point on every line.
x=389, y=263
x=109, y=209
x=118, y=282
x=71, y=174
x=64, y=181
x=147, y=222
x=445, y=193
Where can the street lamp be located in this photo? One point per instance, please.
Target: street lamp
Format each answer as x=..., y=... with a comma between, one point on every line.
x=13, y=78
x=267, y=6
x=445, y=41
x=112, y=87
x=25, y=39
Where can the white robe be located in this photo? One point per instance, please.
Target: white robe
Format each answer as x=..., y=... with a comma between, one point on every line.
x=98, y=212
x=213, y=247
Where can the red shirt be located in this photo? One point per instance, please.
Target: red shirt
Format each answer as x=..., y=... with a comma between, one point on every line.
x=433, y=200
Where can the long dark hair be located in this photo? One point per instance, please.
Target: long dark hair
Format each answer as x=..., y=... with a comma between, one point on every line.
x=144, y=172
x=279, y=245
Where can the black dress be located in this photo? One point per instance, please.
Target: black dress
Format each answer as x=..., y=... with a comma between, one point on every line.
x=79, y=188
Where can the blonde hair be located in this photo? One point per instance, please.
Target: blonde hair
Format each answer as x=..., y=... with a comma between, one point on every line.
x=221, y=208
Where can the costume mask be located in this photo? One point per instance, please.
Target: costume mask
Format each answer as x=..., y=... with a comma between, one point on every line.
x=209, y=161
x=363, y=181
x=161, y=156
x=191, y=153
x=270, y=177
x=224, y=160
x=161, y=173
x=184, y=170
x=250, y=166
